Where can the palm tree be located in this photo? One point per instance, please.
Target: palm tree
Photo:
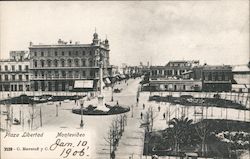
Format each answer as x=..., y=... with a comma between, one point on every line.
x=180, y=131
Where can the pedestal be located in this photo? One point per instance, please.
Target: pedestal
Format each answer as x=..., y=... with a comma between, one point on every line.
x=101, y=105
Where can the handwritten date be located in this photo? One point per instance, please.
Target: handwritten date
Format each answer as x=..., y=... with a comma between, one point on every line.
x=69, y=148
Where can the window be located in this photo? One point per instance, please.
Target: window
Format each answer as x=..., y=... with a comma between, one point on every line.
x=42, y=63
x=20, y=87
x=62, y=53
x=83, y=53
x=69, y=62
x=90, y=63
x=20, y=77
x=49, y=63
x=206, y=76
x=69, y=53
x=20, y=67
x=0, y=77
x=49, y=74
x=6, y=78
x=70, y=74
x=56, y=74
x=76, y=62
x=55, y=63
x=6, y=68
x=213, y=76
x=27, y=77
x=0, y=67
x=35, y=63
x=26, y=67
x=13, y=67
x=63, y=74
x=35, y=74
x=55, y=53
x=83, y=73
x=83, y=63
x=62, y=63
x=42, y=73
x=35, y=54
x=13, y=77
x=76, y=53
x=226, y=77
x=76, y=74
x=92, y=73
x=42, y=53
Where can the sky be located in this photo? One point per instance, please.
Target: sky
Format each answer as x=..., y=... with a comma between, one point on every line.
x=215, y=32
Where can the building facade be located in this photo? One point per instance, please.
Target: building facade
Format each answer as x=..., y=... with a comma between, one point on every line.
x=57, y=67
x=172, y=69
x=14, y=72
x=184, y=85
x=214, y=78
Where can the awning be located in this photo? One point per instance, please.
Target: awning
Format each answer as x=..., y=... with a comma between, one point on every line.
x=83, y=84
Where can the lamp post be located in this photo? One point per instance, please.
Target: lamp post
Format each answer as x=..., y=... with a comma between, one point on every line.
x=112, y=92
x=81, y=123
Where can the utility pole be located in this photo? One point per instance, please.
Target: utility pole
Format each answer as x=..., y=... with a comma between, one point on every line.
x=41, y=120
x=56, y=110
x=32, y=115
x=81, y=123
x=132, y=111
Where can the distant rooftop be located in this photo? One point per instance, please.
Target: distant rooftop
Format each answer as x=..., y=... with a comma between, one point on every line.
x=59, y=45
x=241, y=68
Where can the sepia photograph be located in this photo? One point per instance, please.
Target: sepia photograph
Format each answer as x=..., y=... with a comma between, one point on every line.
x=125, y=79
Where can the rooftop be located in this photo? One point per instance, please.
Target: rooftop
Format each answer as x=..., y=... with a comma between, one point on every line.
x=241, y=68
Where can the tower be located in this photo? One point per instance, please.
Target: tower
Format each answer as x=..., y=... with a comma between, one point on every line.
x=95, y=38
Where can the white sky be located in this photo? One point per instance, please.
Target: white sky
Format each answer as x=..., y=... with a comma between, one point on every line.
x=216, y=32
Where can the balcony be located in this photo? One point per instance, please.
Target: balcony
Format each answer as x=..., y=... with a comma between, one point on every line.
x=65, y=67
x=61, y=78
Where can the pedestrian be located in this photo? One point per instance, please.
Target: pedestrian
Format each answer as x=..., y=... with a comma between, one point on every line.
x=29, y=124
x=143, y=106
x=117, y=103
x=159, y=108
x=141, y=115
x=137, y=100
x=164, y=115
x=60, y=103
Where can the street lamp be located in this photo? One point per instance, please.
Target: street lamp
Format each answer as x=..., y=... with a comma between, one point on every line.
x=112, y=91
x=81, y=123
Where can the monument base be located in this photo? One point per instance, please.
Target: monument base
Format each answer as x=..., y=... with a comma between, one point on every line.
x=101, y=105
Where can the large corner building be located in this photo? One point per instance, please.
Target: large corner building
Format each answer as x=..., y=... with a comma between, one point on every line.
x=60, y=66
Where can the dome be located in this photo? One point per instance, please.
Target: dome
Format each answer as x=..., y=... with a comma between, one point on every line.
x=95, y=35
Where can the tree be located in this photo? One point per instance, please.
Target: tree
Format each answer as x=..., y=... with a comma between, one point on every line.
x=180, y=131
x=202, y=130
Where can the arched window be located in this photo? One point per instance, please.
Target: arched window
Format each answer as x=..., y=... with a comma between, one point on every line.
x=83, y=62
x=35, y=63
x=90, y=62
x=55, y=63
x=69, y=62
x=62, y=63
x=49, y=63
x=76, y=61
x=42, y=63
